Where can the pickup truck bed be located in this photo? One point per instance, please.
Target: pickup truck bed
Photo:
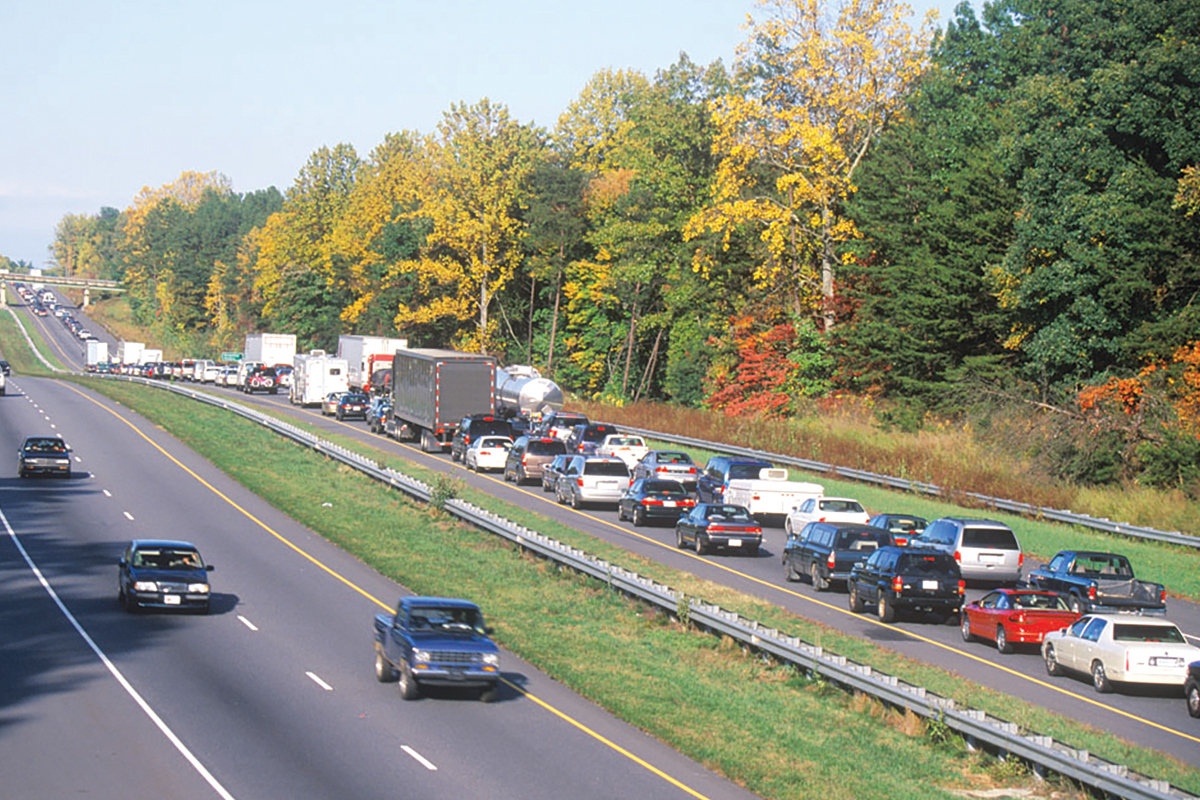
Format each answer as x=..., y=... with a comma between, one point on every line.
x=1095, y=582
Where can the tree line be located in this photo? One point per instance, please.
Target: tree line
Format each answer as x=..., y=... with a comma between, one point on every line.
x=1005, y=209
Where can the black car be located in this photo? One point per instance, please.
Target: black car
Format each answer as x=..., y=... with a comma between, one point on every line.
x=903, y=527
x=720, y=470
x=44, y=455
x=827, y=551
x=377, y=413
x=552, y=471
x=5, y=368
x=258, y=379
x=154, y=573
x=652, y=498
x=352, y=405
x=586, y=437
x=1191, y=689
x=711, y=526
x=897, y=579
x=472, y=427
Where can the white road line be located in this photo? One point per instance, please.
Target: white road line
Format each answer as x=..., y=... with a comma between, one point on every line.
x=107, y=493
x=317, y=680
x=128, y=516
x=247, y=623
x=112, y=668
x=429, y=765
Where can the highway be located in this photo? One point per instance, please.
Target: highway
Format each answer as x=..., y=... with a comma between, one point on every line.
x=272, y=695
x=1149, y=718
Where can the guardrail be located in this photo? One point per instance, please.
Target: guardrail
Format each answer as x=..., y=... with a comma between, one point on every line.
x=863, y=476
x=976, y=726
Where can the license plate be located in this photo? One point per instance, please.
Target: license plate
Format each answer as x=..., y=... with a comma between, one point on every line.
x=1164, y=661
x=991, y=558
x=171, y=599
x=669, y=503
x=735, y=542
x=606, y=484
x=929, y=585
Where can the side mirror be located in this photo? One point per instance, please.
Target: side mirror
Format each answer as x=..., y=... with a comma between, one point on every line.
x=489, y=630
x=121, y=561
x=209, y=567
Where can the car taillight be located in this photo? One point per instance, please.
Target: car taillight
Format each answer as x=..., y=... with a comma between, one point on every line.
x=1127, y=660
x=716, y=528
x=901, y=541
x=1092, y=592
x=1020, y=559
x=579, y=482
x=1162, y=596
x=1018, y=618
x=830, y=561
x=962, y=587
x=897, y=584
x=753, y=530
x=822, y=519
x=650, y=501
x=755, y=497
x=692, y=471
x=958, y=556
x=661, y=469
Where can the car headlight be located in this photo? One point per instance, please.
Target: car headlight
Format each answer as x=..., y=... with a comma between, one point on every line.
x=421, y=656
x=145, y=586
x=492, y=658
x=198, y=588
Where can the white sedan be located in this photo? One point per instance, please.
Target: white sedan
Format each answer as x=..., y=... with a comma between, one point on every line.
x=826, y=509
x=630, y=449
x=1120, y=648
x=487, y=452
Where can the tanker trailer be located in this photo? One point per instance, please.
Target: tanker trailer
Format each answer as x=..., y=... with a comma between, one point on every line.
x=522, y=391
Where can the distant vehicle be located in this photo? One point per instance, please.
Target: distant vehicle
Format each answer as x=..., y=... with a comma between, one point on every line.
x=592, y=479
x=554, y=470
x=521, y=391
x=770, y=496
x=471, y=427
x=226, y=377
x=717, y=526
x=433, y=390
x=528, y=457
x=3, y=384
x=44, y=455
x=896, y=579
x=903, y=527
x=626, y=447
x=210, y=372
x=711, y=485
x=163, y=574
x=828, y=551
x=826, y=509
x=560, y=424
x=330, y=403
x=653, y=498
x=352, y=404
x=586, y=437
x=5, y=367
x=365, y=355
x=377, y=412
x=487, y=452
x=315, y=375
x=1010, y=617
x=270, y=348
x=986, y=550
x=261, y=379
x=1120, y=649
x=1097, y=582
x=436, y=641
x=670, y=465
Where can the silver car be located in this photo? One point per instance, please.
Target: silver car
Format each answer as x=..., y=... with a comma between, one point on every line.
x=985, y=550
x=592, y=479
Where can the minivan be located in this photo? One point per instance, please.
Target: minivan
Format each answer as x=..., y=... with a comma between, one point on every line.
x=592, y=479
x=528, y=457
x=985, y=550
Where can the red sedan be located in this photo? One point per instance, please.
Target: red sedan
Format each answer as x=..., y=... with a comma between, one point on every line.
x=1015, y=616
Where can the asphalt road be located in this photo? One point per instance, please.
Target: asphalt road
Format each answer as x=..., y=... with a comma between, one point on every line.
x=272, y=695
x=1148, y=717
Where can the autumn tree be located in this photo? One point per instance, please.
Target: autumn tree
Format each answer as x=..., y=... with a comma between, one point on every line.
x=820, y=84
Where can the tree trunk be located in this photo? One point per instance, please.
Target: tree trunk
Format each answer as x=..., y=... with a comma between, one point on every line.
x=629, y=343
x=649, y=366
x=554, y=322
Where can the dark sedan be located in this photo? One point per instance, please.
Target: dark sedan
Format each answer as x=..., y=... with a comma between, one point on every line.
x=719, y=526
x=163, y=574
x=352, y=405
x=649, y=499
x=903, y=527
x=553, y=470
x=44, y=455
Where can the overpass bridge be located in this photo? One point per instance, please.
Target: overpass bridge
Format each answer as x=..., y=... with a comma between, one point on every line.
x=88, y=285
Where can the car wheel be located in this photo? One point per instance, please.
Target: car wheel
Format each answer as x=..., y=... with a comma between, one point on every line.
x=559, y=498
x=1192, y=694
x=129, y=603
x=339, y=416
x=819, y=584
x=575, y=501
x=639, y=516
x=408, y=684
x=965, y=628
x=699, y=546
x=1100, y=678
x=620, y=513
x=1077, y=605
x=1002, y=642
x=887, y=612
x=789, y=574
x=856, y=603
x=1051, y=659
x=678, y=539
x=384, y=671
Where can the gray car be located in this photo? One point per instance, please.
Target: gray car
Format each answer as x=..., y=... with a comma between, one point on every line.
x=592, y=479
x=985, y=550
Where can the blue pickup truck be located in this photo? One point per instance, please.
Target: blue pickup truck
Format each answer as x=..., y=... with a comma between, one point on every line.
x=1101, y=583
x=436, y=641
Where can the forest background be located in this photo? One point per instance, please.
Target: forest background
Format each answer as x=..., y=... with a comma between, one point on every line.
x=994, y=227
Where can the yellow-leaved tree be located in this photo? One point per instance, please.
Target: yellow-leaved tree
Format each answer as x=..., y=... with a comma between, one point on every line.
x=820, y=84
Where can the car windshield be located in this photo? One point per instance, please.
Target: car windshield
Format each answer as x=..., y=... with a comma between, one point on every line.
x=743, y=471
x=446, y=620
x=850, y=506
x=1102, y=565
x=674, y=458
x=546, y=448
x=925, y=565
x=166, y=558
x=663, y=487
x=728, y=514
x=360, y=399
x=1142, y=632
x=992, y=538
x=1050, y=602
x=625, y=441
x=494, y=441
x=607, y=468
x=45, y=446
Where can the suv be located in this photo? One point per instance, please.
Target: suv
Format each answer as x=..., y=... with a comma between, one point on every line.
x=907, y=578
x=528, y=457
x=587, y=436
x=710, y=487
x=261, y=379
x=592, y=479
x=984, y=549
x=827, y=551
x=377, y=414
x=472, y=427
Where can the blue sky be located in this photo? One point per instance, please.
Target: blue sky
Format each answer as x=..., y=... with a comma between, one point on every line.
x=100, y=98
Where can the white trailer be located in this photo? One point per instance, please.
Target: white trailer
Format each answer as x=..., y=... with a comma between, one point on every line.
x=315, y=375
x=129, y=352
x=771, y=495
x=97, y=352
x=150, y=356
x=270, y=348
x=367, y=354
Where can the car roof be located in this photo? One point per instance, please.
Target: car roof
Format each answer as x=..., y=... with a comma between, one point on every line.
x=172, y=543
x=454, y=602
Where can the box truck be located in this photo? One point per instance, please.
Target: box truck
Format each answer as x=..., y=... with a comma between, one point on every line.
x=432, y=390
x=366, y=355
x=129, y=352
x=315, y=375
x=97, y=352
x=270, y=348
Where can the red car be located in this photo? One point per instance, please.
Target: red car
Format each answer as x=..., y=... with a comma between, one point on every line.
x=1015, y=616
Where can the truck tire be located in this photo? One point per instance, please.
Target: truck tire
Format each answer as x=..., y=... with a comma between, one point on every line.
x=1078, y=606
x=887, y=612
x=819, y=584
x=427, y=444
x=408, y=684
x=384, y=671
x=856, y=603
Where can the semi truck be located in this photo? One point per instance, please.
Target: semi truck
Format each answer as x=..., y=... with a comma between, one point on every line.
x=522, y=391
x=432, y=390
x=270, y=348
x=315, y=375
x=97, y=352
x=366, y=355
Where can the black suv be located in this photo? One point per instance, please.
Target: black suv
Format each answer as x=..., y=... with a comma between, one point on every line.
x=907, y=578
x=711, y=485
x=827, y=551
x=472, y=427
x=586, y=437
x=259, y=379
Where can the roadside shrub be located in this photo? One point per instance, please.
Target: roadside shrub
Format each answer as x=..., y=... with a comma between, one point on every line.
x=1171, y=463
